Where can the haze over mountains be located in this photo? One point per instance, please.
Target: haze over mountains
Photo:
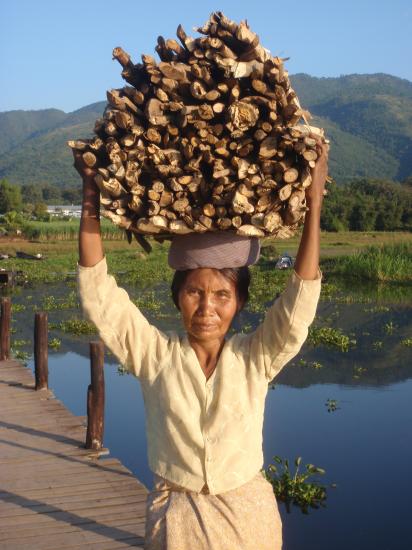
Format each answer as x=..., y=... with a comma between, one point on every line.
x=368, y=119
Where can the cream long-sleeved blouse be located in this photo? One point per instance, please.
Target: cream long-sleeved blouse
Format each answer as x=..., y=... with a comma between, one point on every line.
x=200, y=431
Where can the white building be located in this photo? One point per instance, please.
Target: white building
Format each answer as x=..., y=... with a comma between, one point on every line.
x=59, y=211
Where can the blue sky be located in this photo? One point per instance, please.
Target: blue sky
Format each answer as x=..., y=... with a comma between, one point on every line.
x=58, y=53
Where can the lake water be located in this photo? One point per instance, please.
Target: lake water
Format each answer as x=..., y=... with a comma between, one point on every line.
x=365, y=445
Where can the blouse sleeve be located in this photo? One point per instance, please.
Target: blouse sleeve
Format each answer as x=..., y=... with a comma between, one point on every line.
x=285, y=327
x=136, y=343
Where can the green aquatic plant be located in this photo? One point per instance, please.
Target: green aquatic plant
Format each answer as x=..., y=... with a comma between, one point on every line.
x=246, y=328
x=358, y=371
x=294, y=488
x=21, y=355
x=376, y=309
x=54, y=343
x=329, y=291
x=16, y=308
x=149, y=301
x=332, y=405
x=19, y=343
x=50, y=303
x=378, y=344
x=122, y=370
x=266, y=284
x=311, y=364
x=407, y=342
x=389, y=327
x=76, y=326
x=330, y=337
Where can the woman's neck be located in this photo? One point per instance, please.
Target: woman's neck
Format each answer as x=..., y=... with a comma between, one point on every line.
x=207, y=352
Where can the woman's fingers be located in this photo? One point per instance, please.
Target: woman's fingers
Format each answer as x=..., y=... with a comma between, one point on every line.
x=81, y=167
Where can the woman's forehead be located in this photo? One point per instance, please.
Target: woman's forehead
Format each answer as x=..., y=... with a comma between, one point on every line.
x=208, y=278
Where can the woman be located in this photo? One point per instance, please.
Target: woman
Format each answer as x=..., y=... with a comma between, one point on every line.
x=204, y=394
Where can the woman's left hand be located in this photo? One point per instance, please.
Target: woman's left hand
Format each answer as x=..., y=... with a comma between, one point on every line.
x=315, y=192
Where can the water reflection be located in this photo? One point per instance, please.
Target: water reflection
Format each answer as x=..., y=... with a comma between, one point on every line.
x=365, y=445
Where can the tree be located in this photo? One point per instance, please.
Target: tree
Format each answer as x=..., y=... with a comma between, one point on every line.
x=40, y=211
x=31, y=193
x=10, y=197
x=51, y=193
x=72, y=195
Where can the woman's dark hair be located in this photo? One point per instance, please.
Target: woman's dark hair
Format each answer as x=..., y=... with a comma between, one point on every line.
x=240, y=276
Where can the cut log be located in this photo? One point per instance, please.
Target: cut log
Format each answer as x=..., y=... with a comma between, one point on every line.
x=250, y=231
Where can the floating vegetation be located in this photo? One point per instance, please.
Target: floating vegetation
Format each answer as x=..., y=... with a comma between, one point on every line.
x=293, y=488
x=329, y=291
x=76, y=326
x=246, y=328
x=358, y=371
x=122, y=370
x=389, y=328
x=149, y=301
x=50, y=303
x=54, y=343
x=311, y=364
x=21, y=355
x=377, y=309
x=378, y=344
x=330, y=337
x=332, y=405
x=266, y=284
x=16, y=308
x=20, y=343
x=407, y=342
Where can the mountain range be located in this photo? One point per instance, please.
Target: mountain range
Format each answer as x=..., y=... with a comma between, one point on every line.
x=368, y=119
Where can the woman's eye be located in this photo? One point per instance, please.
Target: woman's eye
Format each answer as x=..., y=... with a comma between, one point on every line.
x=192, y=291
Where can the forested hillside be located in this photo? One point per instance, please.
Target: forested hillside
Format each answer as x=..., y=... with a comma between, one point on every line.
x=368, y=119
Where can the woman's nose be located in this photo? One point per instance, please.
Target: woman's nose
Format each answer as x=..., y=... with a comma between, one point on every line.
x=205, y=304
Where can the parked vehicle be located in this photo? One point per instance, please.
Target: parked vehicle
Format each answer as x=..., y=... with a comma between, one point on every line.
x=284, y=262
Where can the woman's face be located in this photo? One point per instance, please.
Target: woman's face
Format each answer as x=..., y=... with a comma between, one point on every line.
x=208, y=302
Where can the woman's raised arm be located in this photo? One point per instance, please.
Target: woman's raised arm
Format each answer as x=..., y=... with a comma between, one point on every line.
x=307, y=259
x=90, y=242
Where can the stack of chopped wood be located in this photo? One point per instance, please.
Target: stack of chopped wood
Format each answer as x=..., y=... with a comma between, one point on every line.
x=206, y=139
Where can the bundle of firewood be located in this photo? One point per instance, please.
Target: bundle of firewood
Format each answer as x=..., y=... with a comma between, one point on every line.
x=206, y=139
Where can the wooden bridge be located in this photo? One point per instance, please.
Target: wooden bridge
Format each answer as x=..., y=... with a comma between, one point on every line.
x=55, y=493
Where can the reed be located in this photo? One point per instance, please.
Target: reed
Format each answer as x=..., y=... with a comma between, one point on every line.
x=60, y=230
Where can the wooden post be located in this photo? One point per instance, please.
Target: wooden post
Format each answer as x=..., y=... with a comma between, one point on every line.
x=41, y=370
x=5, y=323
x=95, y=398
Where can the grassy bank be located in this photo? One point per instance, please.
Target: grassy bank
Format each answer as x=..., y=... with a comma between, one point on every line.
x=386, y=263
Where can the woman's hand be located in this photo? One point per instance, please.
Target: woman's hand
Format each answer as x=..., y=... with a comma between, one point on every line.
x=91, y=193
x=85, y=172
x=316, y=191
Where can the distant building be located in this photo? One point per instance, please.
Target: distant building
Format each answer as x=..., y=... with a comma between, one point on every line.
x=59, y=211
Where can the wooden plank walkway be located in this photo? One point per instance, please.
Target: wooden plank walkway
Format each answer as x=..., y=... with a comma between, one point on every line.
x=54, y=493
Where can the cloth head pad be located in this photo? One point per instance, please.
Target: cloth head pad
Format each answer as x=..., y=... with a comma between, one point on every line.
x=218, y=250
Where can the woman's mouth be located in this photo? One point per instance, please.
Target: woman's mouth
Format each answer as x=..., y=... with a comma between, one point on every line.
x=205, y=326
